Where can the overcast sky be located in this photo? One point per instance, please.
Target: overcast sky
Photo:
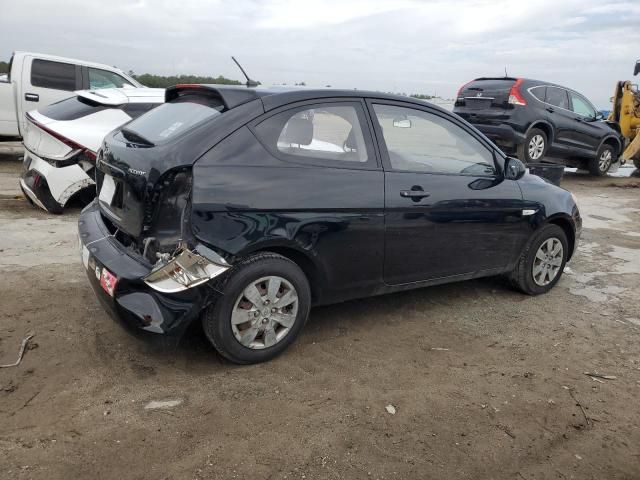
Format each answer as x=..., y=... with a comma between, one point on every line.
x=394, y=45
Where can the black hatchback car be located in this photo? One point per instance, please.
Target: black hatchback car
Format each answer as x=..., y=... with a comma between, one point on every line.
x=534, y=119
x=244, y=207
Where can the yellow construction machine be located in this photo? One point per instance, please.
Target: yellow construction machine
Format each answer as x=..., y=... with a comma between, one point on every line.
x=626, y=113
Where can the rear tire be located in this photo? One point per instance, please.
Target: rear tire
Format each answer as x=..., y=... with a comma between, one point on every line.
x=247, y=324
x=534, y=147
x=529, y=274
x=600, y=165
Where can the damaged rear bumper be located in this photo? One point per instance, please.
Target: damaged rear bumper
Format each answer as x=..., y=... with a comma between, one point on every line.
x=134, y=302
x=51, y=187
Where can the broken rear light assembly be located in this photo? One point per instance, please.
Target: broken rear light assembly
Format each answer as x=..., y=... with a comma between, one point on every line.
x=187, y=269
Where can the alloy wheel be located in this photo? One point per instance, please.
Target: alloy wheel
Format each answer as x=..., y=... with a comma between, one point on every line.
x=547, y=262
x=604, y=162
x=536, y=147
x=264, y=312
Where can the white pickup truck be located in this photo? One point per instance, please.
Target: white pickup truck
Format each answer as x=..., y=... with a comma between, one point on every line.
x=36, y=80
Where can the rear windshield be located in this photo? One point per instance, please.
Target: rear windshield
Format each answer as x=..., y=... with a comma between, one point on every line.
x=77, y=107
x=171, y=119
x=488, y=85
x=71, y=109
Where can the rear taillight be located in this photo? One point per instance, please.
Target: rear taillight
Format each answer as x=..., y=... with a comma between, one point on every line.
x=515, y=96
x=79, y=152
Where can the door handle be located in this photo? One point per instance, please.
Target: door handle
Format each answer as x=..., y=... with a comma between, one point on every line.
x=550, y=110
x=416, y=193
x=32, y=97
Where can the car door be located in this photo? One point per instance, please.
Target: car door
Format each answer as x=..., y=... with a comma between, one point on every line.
x=448, y=209
x=586, y=132
x=326, y=191
x=559, y=114
x=46, y=82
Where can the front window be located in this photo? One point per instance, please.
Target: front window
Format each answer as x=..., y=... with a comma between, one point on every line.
x=581, y=106
x=419, y=141
x=104, y=79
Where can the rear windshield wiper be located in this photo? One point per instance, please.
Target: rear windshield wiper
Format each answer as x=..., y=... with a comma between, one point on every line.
x=136, y=137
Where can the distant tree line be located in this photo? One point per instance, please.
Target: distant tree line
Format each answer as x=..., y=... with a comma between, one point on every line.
x=4, y=67
x=160, y=81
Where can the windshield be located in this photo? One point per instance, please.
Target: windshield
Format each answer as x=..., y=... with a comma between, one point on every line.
x=171, y=119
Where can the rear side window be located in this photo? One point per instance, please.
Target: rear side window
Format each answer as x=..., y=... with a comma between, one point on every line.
x=328, y=132
x=171, y=119
x=54, y=75
x=558, y=97
x=538, y=93
x=104, y=79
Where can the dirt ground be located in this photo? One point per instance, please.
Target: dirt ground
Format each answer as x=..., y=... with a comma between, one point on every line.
x=487, y=383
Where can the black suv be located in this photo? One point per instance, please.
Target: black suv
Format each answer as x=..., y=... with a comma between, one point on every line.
x=244, y=207
x=535, y=119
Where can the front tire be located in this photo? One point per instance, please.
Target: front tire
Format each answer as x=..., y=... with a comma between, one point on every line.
x=264, y=305
x=600, y=165
x=534, y=147
x=541, y=264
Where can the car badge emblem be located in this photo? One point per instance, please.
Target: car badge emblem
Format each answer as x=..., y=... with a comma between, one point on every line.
x=133, y=171
x=479, y=94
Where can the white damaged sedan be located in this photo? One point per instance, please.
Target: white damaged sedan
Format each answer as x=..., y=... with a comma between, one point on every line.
x=61, y=142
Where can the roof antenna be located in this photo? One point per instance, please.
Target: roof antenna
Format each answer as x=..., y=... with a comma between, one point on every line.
x=250, y=83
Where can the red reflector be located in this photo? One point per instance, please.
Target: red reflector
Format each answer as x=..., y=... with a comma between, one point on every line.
x=108, y=281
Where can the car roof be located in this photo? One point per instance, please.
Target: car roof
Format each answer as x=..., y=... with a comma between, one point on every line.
x=277, y=96
x=120, y=96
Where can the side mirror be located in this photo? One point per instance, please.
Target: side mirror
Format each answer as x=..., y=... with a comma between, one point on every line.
x=402, y=122
x=599, y=116
x=514, y=169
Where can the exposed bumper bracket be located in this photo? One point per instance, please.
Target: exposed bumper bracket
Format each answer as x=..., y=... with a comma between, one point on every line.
x=187, y=269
